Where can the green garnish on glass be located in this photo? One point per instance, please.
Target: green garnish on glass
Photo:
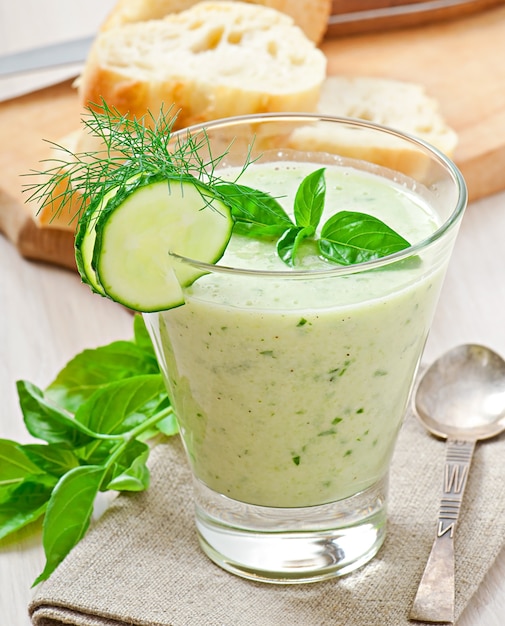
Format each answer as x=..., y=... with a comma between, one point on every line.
x=137, y=191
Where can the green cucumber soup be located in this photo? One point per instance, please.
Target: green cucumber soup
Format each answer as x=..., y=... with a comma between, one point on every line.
x=290, y=388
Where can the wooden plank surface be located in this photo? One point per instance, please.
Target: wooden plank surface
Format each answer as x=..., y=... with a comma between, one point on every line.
x=460, y=62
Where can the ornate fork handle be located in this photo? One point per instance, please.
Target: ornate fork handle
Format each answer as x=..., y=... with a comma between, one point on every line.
x=434, y=601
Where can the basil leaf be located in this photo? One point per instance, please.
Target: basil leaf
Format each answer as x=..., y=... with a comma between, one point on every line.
x=68, y=514
x=257, y=231
x=309, y=199
x=350, y=237
x=96, y=452
x=130, y=472
x=47, y=422
x=122, y=405
x=287, y=245
x=93, y=369
x=53, y=458
x=25, y=504
x=256, y=214
x=15, y=466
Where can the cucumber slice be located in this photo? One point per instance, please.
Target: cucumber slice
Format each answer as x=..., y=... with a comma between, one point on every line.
x=86, y=234
x=85, y=243
x=135, y=234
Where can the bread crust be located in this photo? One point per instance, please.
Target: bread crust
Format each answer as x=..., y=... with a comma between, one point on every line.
x=310, y=15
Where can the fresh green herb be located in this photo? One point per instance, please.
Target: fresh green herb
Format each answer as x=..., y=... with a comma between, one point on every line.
x=325, y=433
x=256, y=213
x=309, y=200
x=349, y=238
x=72, y=502
x=337, y=372
x=133, y=148
x=94, y=418
x=288, y=244
x=308, y=209
x=126, y=149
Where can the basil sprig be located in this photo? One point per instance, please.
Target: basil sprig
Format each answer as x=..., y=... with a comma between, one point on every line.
x=94, y=420
x=347, y=238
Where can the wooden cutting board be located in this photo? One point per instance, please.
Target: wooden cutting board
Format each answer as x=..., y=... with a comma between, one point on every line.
x=461, y=63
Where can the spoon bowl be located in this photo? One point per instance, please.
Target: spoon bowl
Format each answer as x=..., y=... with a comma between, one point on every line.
x=462, y=394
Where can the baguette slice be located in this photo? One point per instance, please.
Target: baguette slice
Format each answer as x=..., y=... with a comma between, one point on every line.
x=402, y=105
x=217, y=59
x=310, y=15
x=399, y=105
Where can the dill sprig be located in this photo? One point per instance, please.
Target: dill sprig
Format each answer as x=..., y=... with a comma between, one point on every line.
x=125, y=147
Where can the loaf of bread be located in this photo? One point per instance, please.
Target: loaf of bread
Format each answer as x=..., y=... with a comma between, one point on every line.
x=310, y=15
x=217, y=59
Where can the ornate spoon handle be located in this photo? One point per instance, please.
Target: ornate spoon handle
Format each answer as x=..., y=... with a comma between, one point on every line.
x=434, y=601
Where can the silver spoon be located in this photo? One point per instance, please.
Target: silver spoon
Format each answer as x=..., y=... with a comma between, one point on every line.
x=461, y=398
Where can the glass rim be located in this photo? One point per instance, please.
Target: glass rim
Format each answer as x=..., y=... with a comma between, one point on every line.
x=446, y=162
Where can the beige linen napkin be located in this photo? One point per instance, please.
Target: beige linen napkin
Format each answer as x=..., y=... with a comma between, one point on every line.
x=141, y=564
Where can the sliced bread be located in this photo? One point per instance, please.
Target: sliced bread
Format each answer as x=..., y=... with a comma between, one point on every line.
x=402, y=105
x=217, y=59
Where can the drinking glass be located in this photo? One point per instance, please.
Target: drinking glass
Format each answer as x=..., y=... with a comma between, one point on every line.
x=290, y=383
